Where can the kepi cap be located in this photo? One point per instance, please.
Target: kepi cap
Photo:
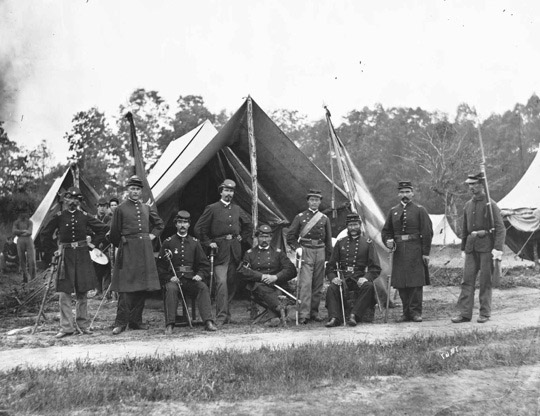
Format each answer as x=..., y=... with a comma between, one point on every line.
x=102, y=201
x=404, y=185
x=114, y=199
x=134, y=181
x=73, y=192
x=228, y=183
x=353, y=218
x=314, y=192
x=474, y=178
x=182, y=215
x=263, y=229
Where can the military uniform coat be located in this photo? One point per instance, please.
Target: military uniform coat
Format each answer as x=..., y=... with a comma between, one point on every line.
x=321, y=231
x=408, y=268
x=258, y=261
x=357, y=254
x=135, y=268
x=218, y=221
x=186, y=251
x=476, y=218
x=78, y=273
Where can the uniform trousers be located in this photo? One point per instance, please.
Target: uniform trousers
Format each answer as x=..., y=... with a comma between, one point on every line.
x=411, y=299
x=27, y=255
x=67, y=324
x=269, y=297
x=103, y=276
x=476, y=262
x=363, y=301
x=190, y=289
x=130, y=309
x=310, y=281
x=225, y=275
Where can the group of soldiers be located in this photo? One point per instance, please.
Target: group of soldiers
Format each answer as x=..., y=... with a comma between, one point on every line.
x=189, y=266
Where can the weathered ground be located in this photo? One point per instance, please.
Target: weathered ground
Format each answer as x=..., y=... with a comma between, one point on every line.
x=500, y=390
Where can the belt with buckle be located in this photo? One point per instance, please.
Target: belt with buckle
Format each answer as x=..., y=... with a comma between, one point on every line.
x=311, y=241
x=407, y=237
x=183, y=269
x=226, y=237
x=75, y=244
x=479, y=233
x=138, y=235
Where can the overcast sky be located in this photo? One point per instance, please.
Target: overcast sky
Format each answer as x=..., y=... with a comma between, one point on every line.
x=63, y=56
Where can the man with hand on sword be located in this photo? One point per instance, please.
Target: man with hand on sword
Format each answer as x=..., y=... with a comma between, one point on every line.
x=266, y=269
x=351, y=257
x=481, y=243
x=75, y=270
x=190, y=268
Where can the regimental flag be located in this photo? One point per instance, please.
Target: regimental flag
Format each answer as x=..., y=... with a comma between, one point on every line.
x=138, y=165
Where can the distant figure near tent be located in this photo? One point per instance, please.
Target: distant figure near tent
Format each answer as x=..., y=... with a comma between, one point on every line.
x=443, y=235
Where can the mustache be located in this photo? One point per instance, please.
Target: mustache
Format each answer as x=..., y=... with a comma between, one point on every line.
x=405, y=199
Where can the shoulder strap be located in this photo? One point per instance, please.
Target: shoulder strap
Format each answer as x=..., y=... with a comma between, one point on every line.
x=311, y=223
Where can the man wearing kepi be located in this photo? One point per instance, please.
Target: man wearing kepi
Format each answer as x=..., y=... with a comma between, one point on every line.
x=221, y=227
x=480, y=245
x=134, y=226
x=266, y=267
x=351, y=257
x=191, y=267
x=408, y=230
x=76, y=270
x=310, y=235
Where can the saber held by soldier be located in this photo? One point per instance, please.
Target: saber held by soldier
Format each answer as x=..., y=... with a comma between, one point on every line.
x=168, y=254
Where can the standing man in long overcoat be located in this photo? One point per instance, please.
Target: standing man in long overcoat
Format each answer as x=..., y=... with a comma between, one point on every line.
x=310, y=235
x=76, y=270
x=221, y=228
x=481, y=243
x=22, y=228
x=134, y=226
x=409, y=231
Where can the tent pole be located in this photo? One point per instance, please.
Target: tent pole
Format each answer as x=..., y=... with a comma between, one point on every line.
x=75, y=174
x=333, y=202
x=253, y=163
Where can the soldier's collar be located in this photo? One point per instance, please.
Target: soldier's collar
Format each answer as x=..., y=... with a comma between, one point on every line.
x=138, y=201
x=313, y=211
x=181, y=236
x=225, y=203
x=264, y=248
x=403, y=204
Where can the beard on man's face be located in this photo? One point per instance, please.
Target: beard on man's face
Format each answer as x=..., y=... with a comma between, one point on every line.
x=405, y=199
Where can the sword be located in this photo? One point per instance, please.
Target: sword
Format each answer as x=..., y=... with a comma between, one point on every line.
x=212, y=255
x=390, y=255
x=168, y=254
x=341, y=295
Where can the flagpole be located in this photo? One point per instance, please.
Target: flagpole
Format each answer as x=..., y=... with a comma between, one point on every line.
x=253, y=163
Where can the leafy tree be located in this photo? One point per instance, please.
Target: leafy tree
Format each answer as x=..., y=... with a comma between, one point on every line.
x=99, y=153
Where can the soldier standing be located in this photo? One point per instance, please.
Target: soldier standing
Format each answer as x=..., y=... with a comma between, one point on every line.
x=351, y=256
x=191, y=268
x=310, y=235
x=264, y=267
x=134, y=226
x=408, y=229
x=22, y=228
x=221, y=227
x=480, y=244
x=76, y=271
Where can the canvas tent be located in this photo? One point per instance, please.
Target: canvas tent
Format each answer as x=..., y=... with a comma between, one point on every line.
x=50, y=205
x=521, y=212
x=191, y=168
x=443, y=235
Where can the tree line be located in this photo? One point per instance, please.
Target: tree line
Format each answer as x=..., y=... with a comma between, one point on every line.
x=386, y=144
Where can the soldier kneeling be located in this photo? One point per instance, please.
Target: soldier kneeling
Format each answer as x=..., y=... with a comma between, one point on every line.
x=191, y=267
x=346, y=270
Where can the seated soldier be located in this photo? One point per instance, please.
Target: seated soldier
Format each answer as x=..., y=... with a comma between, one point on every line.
x=350, y=257
x=10, y=258
x=264, y=267
x=190, y=268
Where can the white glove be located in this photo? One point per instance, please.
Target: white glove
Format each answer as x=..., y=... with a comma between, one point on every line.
x=299, y=252
x=497, y=254
x=462, y=254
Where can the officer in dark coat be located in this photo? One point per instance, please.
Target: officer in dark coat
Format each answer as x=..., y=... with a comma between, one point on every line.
x=408, y=229
x=191, y=268
x=480, y=244
x=76, y=270
x=134, y=226
x=221, y=227
x=351, y=257
x=310, y=235
x=263, y=268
